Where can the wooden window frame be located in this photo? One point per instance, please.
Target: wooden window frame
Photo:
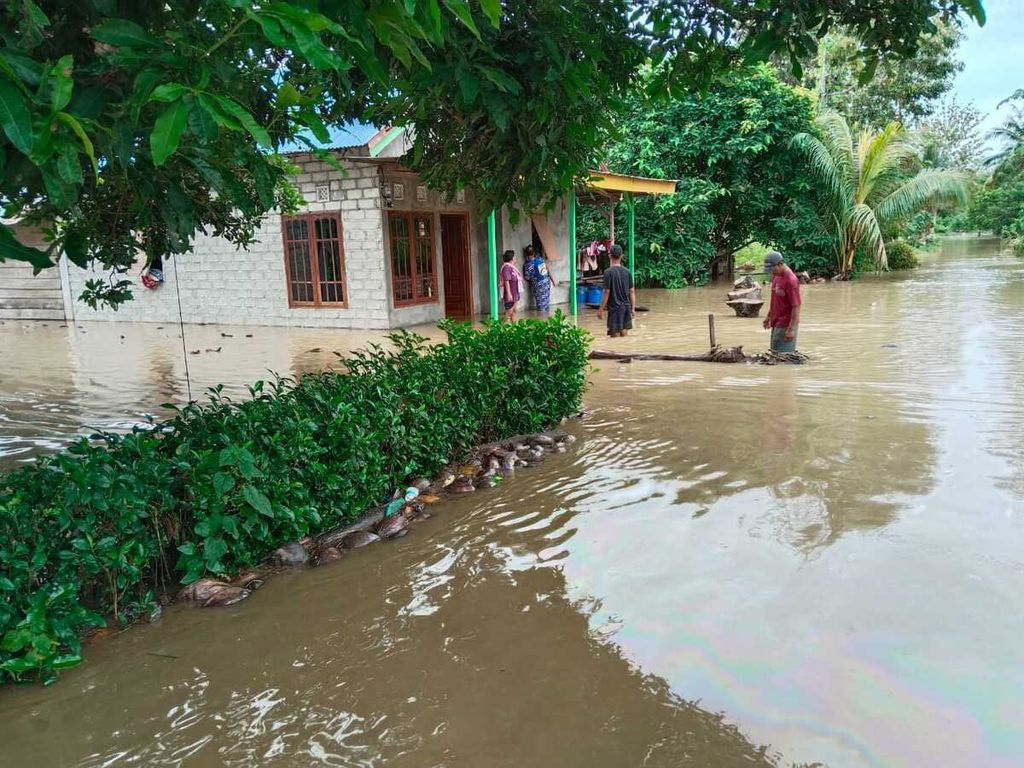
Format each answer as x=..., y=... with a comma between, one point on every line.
x=314, y=261
x=409, y=215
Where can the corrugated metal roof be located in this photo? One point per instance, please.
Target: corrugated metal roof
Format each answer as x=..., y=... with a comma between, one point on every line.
x=346, y=136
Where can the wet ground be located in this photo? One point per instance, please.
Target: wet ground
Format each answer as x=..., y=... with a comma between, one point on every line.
x=734, y=565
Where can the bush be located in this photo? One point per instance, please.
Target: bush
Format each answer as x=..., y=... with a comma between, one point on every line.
x=901, y=255
x=100, y=529
x=804, y=241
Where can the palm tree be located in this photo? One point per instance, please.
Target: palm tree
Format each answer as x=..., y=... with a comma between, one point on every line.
x=1010, y=133
x=869, y=185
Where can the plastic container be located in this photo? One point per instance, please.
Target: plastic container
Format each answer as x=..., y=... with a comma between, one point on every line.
x=594, y=294
x=581, y=295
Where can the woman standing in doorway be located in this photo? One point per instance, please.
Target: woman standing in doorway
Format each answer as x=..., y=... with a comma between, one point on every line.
x=537, y=274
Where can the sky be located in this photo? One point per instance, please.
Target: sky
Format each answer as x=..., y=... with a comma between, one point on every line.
x=993, y=58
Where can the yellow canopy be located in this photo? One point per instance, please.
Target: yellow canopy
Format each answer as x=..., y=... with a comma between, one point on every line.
x=638, y=185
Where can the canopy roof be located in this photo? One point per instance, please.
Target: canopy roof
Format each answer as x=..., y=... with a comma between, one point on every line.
x=637, y=185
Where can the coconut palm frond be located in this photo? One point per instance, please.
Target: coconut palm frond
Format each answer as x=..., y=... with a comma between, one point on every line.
x=863, y=228
x=822, y=163
x=1010, y=134
x=885, y=158
x=835, y=133
x=926, y=188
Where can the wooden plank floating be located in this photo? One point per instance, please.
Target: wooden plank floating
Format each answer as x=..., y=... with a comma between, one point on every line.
x=714, y=355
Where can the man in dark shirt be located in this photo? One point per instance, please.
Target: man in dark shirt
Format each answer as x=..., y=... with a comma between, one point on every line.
x=619, y=296
x=784, y=313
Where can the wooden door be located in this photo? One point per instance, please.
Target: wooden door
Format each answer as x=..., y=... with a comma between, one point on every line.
x=458, y=302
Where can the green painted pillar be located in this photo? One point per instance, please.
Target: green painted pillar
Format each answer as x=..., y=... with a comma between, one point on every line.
x=492, y=263
x=573, y=309
x=631, y=206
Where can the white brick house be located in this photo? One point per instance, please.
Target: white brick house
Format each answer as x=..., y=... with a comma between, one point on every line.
x=372, y=248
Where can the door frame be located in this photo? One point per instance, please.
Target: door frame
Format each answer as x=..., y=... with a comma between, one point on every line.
x=468, y=261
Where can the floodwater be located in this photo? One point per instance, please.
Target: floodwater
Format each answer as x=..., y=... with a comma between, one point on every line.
x=734, y=565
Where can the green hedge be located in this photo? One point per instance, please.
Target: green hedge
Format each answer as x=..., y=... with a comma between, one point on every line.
x=100, y=529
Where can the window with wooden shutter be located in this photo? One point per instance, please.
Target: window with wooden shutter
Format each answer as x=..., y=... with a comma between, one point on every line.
x=314, y=260
x=413, y=272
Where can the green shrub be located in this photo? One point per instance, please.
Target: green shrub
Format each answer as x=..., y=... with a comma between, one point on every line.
x=98, y=530
x=901, y=255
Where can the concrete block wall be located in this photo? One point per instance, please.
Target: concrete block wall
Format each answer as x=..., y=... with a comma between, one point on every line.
x=222, y=284
x=23, y=294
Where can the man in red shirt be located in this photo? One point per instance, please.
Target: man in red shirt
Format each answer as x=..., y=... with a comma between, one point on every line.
x=784, y=312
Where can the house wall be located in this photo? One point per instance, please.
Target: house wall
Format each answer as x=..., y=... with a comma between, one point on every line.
x=23, y=294
x=220, y=284
x=436, y=204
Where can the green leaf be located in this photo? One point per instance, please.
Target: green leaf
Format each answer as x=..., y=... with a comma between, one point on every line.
x=71, y=122
x=10, y=248
x=35, y=13
x=15, y=640
x=14, y=117
x=255, y=498
x=167, y=132
x=222, y=483
x=271, y=29
x=124, y=34
x=62, y=83
x=21, y=67
x=200, y=122
x=76, y=247
x=66, y=661
x=287, y=95
x=468, y=84
x=68, y=166
x=214, y=548
x=492, y=9
x=17, y=666
x=168, y=92
x=236, y=111
x=209, y=104
x=462, y=11
x=316, y=126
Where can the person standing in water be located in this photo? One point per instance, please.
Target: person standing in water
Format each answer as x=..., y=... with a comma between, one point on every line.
x=784, y=312
x=510, y=285
x=536, y=272
x=619, y=295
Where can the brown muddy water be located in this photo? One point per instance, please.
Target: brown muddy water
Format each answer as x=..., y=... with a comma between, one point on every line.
x=734, y=565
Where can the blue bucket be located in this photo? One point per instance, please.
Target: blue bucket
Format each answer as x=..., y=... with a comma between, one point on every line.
x=581, y=295
x=594, y=294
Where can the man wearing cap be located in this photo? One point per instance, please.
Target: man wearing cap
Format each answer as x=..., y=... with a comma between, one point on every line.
x=784, y=312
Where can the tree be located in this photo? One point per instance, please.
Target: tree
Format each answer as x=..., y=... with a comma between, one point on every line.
x=949, y=138
x=129, y=126
x=1010, y=134
x=870, y=192
x=901, y=90
x=999, y=204
x=730, y=145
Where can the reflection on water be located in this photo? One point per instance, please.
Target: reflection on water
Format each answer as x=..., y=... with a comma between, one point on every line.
x=821, y=560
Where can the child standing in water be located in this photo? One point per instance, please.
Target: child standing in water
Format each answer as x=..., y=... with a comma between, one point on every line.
x=536, y=272
x=510, y=284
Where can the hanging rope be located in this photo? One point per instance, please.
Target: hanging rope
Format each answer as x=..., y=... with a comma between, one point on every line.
x=181, y=328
